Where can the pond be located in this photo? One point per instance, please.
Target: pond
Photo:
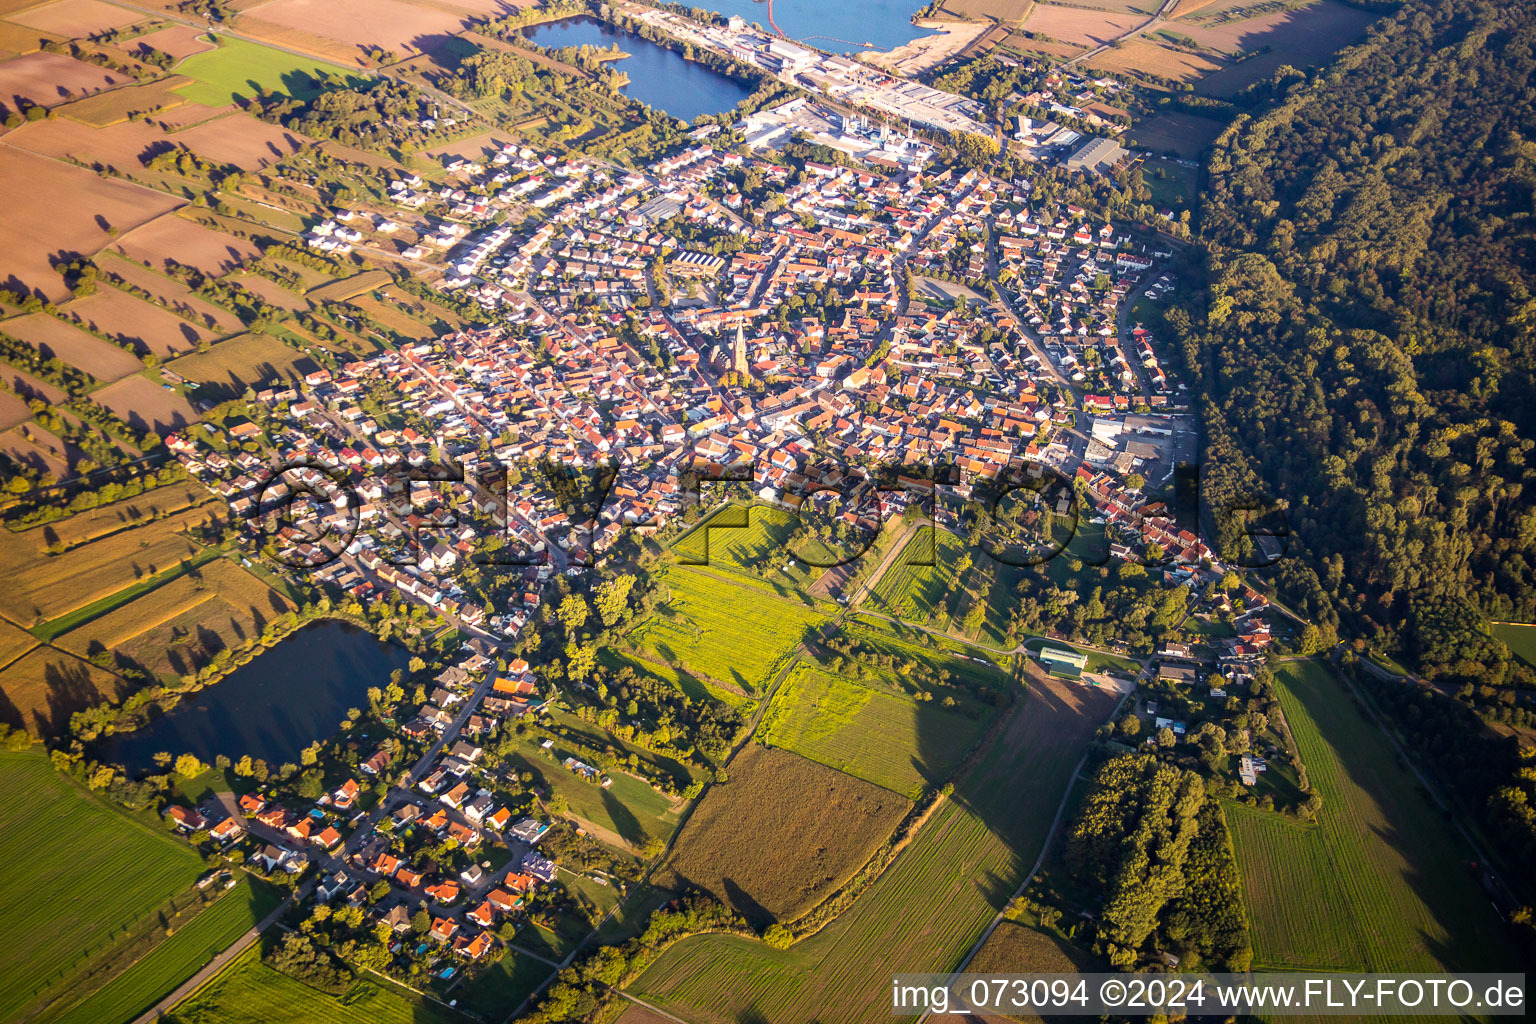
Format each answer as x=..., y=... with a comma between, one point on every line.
x=657, y=76
x=275, y=706
x=843, y=26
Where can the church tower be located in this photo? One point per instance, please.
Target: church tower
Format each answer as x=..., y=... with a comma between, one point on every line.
x=739, y=352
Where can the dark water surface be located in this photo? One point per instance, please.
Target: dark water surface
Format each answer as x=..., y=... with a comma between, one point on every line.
x=657, y=76
x=272, y=708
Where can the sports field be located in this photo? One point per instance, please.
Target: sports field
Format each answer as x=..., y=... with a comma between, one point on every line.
x=77, y=873
x=249, y=992
x=232, y=72
x=1381, y=882
x=873, y=733
x=731, y=629
x=927, y=908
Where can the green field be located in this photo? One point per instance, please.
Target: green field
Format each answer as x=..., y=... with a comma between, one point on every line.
x=1381, y=882
x=941, y=595
x=924, y=911
x=77, y=873
x=174, y=960
x=735, y=631
x=249, y=992
x=1521, y=641
x=630, y=808
x=754, y=544
x=499, y=989
x=873, y=734
x=234, y=70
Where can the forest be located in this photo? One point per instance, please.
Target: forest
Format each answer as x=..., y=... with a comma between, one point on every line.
x=1153, y=841
x=1365, y=356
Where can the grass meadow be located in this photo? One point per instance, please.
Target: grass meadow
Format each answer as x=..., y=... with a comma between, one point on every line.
x=925, y=910
x=734, y=631
x=249, y=992
x=1381, y=882
x=1521, y=641
x=874, y=734
x=77, y=874
x=236, y=68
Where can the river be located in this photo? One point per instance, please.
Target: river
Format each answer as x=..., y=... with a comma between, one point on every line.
x=272, y=708
x=657, y=76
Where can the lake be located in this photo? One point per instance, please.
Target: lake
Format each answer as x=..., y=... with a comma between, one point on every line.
x=274, y=707
x=839, y=26
x=657, y=76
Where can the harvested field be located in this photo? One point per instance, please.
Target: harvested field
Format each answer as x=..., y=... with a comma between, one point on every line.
x=173, y=294
x=1084, y=28
x=49, y=79
x=13, y=410
x=240, y=139
x=471, y=148
x=390, y=317
x=125, y=146
x=1016, y=948
x=109, y=519
x=39, y=586
x=1185, y=135
x=170, y=240
x=347, y=287
x=116, y=105
x=926, y=909
x=355, y=24
x=488, y=8
x=1001, y=10
x=178, y=627
x=14, y=642
x=133, y=321
x=69, y=210
x=781, y=835
x=145, y=405
x=28, y=386
x=180, y=41
x=1024, y=44
x=1139, y=56
x=16, y=39
x=30, y=445
x=41, y=689
x=271, y=292
x=1303, y=38
x=75, y=19
x=53, y=337
x=231, y=366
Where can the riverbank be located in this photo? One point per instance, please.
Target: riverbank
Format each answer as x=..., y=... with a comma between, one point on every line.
x=928, y=52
